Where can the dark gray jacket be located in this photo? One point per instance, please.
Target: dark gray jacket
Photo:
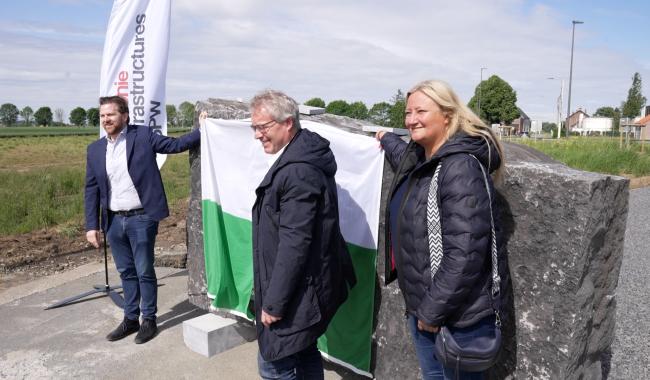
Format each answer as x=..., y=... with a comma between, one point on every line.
x=302, y=267
x=459, y=294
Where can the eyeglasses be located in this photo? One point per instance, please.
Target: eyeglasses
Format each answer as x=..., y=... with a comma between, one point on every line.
x=262, y=128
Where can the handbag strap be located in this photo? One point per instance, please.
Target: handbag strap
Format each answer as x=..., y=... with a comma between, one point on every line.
x=434, y=230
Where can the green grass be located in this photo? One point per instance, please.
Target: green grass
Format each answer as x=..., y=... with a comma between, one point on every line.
x=596, y=154
x=42, y=182
x=59, y=131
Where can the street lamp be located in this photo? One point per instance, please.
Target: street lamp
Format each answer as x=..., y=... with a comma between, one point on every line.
x=559, y=107
x=568, y=109
x=480, y=91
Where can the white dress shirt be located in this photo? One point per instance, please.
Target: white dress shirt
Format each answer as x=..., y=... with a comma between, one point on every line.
x=274, y=157
x=122, y=193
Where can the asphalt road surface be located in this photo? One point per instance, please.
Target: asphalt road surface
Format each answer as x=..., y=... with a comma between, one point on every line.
x=631, y=348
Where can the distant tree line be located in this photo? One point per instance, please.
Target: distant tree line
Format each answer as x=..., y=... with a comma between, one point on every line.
x=81, y=117
x=498, y=105
x=386, y=114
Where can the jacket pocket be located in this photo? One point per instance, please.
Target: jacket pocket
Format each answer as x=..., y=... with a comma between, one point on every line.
x=303, y=312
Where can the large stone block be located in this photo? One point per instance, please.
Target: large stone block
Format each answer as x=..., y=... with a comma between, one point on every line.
x=565, y=231
x=564, y=235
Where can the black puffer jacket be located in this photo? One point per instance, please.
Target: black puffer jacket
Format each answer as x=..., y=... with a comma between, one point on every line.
x=459, y=294
x=302, y=268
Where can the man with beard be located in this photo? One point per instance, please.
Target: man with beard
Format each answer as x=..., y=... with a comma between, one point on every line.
x=124, y=186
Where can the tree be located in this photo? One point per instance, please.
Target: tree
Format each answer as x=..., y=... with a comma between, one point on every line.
x=27, y=113
x=315, y=102
x=498, y=101
x=397, y=109
x=338, y=107
x=58, y=115
x=171, y=115
x=78, y=116
x=186, y=117
x=43, y=116
x=614, y=113
x=549, y=128
x=92, y=115
x=358, y=110
x=380, y=113
x=635, y=100
x=8, y=114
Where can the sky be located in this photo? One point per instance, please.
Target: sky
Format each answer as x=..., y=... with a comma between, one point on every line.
x=365, y=50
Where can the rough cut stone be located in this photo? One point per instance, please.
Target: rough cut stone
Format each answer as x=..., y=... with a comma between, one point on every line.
x=564, y=232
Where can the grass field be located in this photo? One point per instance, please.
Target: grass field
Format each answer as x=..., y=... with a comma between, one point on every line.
x=59, y=131
x=596, y=154
x=42, y=180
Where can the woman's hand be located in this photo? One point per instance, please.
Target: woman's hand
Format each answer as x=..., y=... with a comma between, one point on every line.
x=379, y=135
x=424, y=327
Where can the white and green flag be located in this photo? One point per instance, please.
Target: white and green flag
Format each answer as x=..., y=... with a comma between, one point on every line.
x=233, y=164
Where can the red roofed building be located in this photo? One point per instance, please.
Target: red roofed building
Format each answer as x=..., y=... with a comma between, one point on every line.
x=644, y=124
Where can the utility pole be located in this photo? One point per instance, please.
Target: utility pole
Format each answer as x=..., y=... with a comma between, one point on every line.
x=559, y=107
x=568, y=109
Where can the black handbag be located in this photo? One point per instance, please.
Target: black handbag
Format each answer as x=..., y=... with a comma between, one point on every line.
x=481, y=353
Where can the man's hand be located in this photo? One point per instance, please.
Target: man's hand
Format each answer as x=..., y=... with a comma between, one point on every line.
x=424, y=327
x=268, y=319
x=93, y=238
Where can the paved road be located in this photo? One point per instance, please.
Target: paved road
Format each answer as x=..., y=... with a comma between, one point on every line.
x=69, y=343
x=631, y=348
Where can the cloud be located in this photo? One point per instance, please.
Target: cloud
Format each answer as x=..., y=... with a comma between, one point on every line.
x=362, y=50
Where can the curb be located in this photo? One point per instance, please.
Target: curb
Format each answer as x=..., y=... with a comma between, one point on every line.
x=639, y=182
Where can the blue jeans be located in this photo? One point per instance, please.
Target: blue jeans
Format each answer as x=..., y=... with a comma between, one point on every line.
x=132, y=241
x=425, y=347
x=306, y=364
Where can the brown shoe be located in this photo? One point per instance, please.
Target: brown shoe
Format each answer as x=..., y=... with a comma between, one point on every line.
x=126, y=328
x=148, y=330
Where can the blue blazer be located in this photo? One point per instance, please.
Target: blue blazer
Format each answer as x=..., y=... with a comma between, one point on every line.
x=141, y=147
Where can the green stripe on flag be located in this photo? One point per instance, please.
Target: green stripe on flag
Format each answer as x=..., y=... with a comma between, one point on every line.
x=349, y=335
x=228, y=258
x=229, y=270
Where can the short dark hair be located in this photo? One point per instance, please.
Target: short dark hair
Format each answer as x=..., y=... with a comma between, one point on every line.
x=120, y=102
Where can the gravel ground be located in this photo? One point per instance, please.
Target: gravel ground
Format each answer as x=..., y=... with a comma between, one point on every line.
x=631, y=348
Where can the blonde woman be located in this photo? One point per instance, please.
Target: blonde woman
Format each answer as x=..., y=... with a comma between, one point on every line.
x=445, y=135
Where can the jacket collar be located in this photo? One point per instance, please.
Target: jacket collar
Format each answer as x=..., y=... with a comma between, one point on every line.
x=130, y=141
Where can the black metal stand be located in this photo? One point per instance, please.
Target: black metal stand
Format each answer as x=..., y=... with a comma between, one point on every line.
x=106, y=289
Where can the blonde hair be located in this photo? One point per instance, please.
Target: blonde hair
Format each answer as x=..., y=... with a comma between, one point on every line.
x=461, y=117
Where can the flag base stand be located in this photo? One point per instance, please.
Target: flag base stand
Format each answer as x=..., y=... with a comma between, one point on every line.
x=104, y=289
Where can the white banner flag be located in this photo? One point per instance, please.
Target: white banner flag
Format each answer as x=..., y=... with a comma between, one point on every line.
x=134, y=64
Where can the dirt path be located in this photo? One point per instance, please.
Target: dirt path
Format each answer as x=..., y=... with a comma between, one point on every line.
x=25, y=257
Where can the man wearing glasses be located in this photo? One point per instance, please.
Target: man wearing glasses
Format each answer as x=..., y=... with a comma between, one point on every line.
x=302, y=269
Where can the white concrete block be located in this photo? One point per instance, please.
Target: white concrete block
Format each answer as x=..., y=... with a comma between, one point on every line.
x=211, y=334
x=377, y=128
x=309, y=110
